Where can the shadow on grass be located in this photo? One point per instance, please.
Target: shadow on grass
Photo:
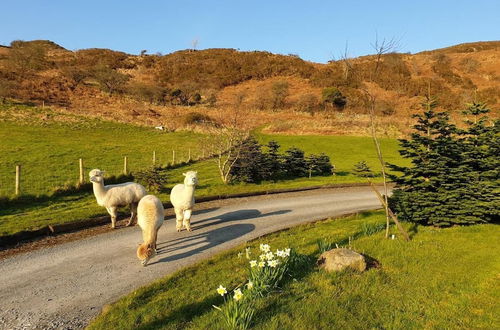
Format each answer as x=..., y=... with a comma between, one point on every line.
x=413, y=230
x=342, y=173
x=27, y=203
x=183, y=315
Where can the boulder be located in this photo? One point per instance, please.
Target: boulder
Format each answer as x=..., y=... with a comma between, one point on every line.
x=339, y=259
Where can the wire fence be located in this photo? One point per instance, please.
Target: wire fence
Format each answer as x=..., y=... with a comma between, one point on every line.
x=47, y=176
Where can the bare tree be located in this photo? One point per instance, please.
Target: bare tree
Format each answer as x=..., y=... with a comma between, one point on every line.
x=381, y=48
x=225, y=142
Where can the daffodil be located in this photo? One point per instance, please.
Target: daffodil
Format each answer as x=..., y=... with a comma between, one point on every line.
x=221, y=290
x=286, y=252
x=237, y=294
x=253, y=263
x=262, y=264
x=272, y=263
x=249, y=285
x=279, y=253
x=263, y=257
x=269, y=256
x=265, y=248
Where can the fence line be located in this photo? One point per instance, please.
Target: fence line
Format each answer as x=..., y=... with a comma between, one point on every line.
x=40, y=178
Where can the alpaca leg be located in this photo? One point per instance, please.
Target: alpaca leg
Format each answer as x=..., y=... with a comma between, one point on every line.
x=178, y=218
x=113, y=213
x=133, y=214
x=155, y=238
x=187, y=219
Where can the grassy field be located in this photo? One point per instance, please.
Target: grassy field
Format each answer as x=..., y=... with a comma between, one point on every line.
x=49, y=150
x=442, y=279
x=48, y=146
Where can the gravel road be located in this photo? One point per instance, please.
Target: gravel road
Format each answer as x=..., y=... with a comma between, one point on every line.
x=65, y=286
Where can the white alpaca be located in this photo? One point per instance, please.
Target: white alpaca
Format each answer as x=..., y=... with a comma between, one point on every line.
x=116, y=195
x=150, y=216
x=182, y=198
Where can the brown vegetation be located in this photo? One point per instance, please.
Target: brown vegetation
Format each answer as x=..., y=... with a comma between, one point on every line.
x=283, y=92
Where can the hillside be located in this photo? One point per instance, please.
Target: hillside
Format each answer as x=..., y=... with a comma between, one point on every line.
x=281, y=92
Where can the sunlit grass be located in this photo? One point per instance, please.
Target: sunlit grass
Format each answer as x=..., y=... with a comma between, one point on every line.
x=49, y=151
x=443, y=278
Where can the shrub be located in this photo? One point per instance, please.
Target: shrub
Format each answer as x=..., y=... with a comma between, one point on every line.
x=254, y=165
x=332, y=96
x=279, y=94
x=307, y=103
x=362, y=169
x=249, y=165
x=386, y=108
x=319, y=165
x=294, y=163
x=195, y=118
x=109, y=80
x=154, y=178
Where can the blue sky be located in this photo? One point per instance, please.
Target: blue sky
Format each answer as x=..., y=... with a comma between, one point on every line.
x=315, y=30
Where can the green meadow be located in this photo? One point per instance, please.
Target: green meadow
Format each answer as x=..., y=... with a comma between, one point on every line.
x=441, y=279
x=48, y=151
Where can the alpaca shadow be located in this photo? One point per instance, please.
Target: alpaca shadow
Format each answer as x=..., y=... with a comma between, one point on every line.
x=236, y=216
x=223, y=218
x=203, y=241
x=205, y=210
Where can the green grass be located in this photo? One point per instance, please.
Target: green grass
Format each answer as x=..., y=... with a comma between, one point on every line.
x=48, y=151
x=442, y=279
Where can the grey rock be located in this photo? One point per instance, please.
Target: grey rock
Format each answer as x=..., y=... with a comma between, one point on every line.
x=336, y=260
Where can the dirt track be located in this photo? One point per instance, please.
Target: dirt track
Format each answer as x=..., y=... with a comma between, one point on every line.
x=66, y=285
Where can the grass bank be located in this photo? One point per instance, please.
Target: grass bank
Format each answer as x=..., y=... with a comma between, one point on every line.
x=48, y=145
x=442, y=279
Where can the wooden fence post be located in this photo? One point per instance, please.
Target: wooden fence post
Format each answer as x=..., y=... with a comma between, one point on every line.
x=125, y=165
x=81, y=170
x=18, y=179
x=154, y=158
x=173, y=157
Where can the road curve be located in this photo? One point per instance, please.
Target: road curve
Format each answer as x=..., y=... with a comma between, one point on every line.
x=66, y=285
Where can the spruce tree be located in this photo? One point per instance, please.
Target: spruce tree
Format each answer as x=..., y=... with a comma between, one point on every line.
x=294, y=163
x=319, y=165
x=362, y=169
x=272, y=166
x=453, y=172
x=248, y=167
x=482, y=163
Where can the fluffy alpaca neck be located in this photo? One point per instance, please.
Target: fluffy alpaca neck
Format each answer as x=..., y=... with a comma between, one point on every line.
x=99, y=191
x=188, y=190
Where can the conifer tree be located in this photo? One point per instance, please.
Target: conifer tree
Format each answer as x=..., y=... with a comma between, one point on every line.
x=453, y=172
x=362, y=169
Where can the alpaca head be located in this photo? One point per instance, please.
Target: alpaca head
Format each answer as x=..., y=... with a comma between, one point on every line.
x=145, y=252
x=96, y=176
x=191, y=178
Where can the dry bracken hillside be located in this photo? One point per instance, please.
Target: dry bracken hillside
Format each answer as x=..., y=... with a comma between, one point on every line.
x=281, y=93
